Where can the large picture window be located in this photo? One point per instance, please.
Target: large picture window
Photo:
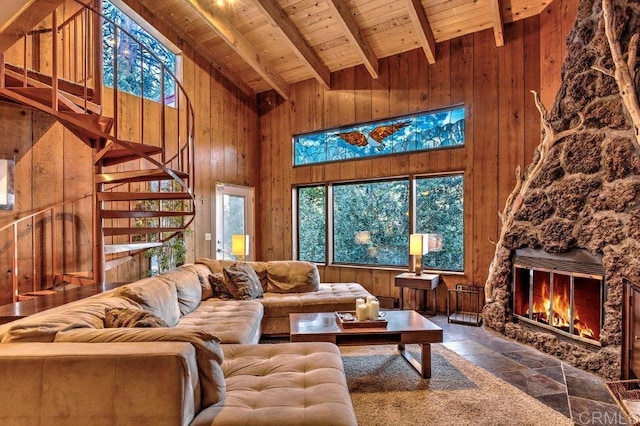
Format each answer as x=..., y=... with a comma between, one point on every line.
x=370, y=222
x=416, y=132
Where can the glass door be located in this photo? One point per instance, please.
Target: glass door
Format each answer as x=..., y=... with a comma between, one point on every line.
x=234, y=216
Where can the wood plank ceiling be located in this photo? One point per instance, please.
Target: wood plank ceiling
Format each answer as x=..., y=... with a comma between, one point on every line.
x=261, y=45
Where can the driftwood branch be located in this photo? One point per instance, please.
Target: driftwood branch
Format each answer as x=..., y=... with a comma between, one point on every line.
x=516, y=198
x=625, y=71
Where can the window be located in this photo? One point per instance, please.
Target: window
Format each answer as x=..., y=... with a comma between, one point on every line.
x=417, y=132
x=139, y=72
x=371, y=221
x=312, y=223
x=439, y=210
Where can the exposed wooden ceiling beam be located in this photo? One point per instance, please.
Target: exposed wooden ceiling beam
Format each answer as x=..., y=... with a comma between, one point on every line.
x=221, y=26
x=196, y=45
x=354, y=35
x=282, y=23
x=425, y=34
x=30, y=15
x=498, y=23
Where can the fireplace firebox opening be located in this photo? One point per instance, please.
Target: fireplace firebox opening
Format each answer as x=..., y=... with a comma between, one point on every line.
x=560, y=293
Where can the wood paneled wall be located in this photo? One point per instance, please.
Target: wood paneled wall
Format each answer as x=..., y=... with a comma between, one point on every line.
x=502, y=131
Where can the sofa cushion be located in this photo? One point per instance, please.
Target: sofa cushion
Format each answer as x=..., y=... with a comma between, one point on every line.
x=156, y=295
x=218, y=286
x=288, y=384
x=205, y=284
x=242, y=282
x=43, y=327
x=233, y=321
x=208, y=351
x=125, y=317
x=188, y=286
x=292, y=277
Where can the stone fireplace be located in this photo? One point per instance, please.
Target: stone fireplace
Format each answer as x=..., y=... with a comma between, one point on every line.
x=580, y=196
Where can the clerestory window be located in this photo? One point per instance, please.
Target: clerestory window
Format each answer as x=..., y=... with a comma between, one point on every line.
x=140, y=63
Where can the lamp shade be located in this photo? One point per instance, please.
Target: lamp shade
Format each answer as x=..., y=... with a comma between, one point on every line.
x=240, y=245
x=418, y=244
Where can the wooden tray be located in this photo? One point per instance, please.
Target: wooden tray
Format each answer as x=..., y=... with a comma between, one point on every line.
x=342, y=318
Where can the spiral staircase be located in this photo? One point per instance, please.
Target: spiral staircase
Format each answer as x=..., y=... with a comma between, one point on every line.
x=142, y=189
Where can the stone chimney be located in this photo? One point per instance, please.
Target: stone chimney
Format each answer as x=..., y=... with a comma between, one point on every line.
x=582, y=189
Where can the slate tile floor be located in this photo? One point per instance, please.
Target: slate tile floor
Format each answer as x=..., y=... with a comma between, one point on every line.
x=573, y=392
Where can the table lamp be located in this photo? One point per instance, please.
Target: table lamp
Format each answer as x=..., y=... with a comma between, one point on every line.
x=418, y=244
x=240, y=246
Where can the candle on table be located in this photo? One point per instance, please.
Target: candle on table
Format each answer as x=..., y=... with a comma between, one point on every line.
x=374, y=309
x=362, y=312
x=371, y=299
x=359, y=301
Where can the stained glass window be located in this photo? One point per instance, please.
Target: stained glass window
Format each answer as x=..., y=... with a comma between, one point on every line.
x=417, y=132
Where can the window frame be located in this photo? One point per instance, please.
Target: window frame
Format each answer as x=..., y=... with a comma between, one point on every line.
x=329, y=207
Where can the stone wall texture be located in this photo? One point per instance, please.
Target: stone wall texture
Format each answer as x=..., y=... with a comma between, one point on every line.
x=587, y=195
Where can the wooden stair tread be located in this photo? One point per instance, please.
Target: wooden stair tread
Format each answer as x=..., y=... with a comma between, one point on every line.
x=133, y=196
x=120, y=155
x=122, y=248
x=144, y=175
x=124, y=214
x=98, y=122
x=137, y=231
x=114, y=263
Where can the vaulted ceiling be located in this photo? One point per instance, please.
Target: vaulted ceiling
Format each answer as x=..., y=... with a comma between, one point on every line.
x=270, y=44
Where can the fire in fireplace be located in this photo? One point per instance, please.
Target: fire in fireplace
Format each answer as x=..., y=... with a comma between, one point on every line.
x=561, y=293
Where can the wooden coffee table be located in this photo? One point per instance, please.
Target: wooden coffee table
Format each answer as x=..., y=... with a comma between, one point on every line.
x=404, y=327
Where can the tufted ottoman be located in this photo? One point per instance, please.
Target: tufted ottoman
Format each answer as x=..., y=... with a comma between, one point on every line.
x=283, y=384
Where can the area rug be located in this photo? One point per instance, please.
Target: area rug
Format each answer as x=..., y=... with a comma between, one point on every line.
x=386, y=390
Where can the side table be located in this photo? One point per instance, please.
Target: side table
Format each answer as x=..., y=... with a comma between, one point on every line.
x=418, y=282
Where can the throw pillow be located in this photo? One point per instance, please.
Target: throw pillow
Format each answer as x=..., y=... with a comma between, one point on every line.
x=218, y=286
x=124, y=317
x=242, y=281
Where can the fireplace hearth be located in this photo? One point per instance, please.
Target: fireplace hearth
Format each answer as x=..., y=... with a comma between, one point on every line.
x=563, y=294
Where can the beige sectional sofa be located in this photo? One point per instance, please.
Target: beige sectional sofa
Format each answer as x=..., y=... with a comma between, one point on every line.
x=63, y=366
